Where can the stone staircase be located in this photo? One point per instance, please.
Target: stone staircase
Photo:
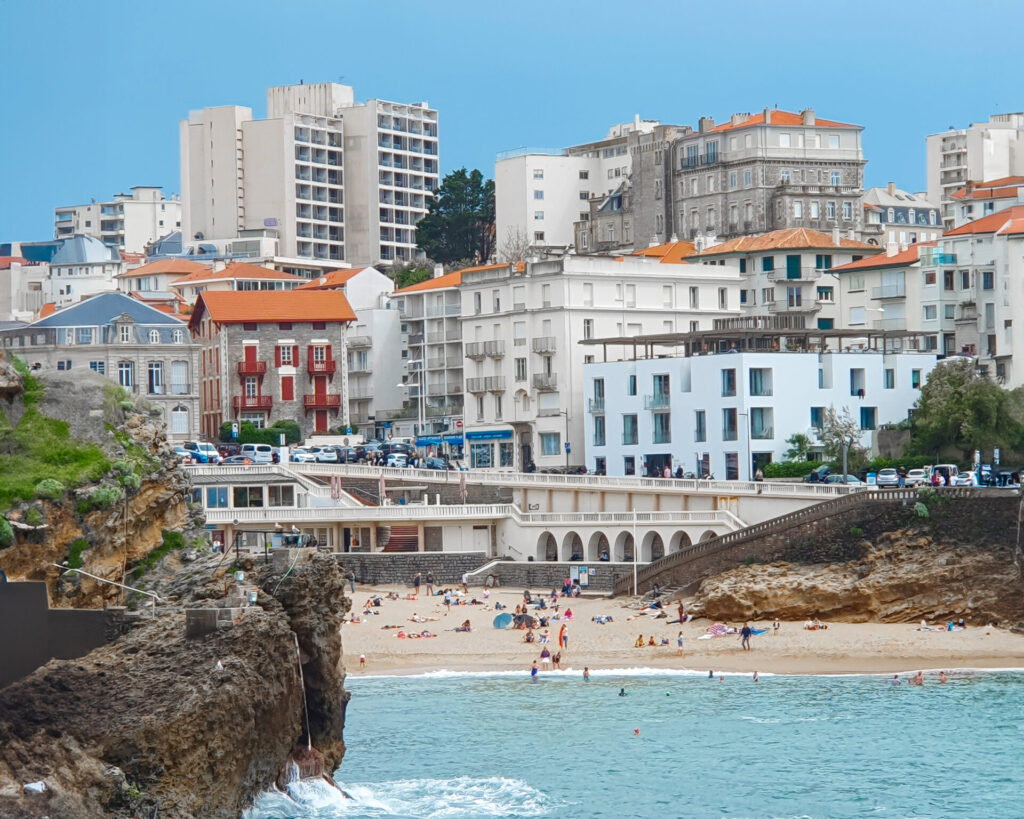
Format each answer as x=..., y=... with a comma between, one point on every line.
x=402, y=539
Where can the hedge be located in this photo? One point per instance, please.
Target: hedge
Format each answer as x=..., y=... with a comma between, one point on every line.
x=789, y=469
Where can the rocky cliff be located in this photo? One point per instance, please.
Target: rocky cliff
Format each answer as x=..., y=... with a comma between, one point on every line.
x=161, y=724
x=902, y=575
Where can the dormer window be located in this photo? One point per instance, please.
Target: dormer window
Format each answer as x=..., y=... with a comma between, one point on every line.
x=125, y=333
x=179, y=337
x=154, y=336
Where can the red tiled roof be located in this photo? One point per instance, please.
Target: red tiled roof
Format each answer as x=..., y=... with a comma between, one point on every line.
x=239, y=270
x=777, y=117
x=787, y=239
x=453, y=279
x=183, y=266
x=332, y=280
x=7, y=261
x=1003, y=188
x=260, y=306
x=993, y=223
x=900, y=259
x=668, y=253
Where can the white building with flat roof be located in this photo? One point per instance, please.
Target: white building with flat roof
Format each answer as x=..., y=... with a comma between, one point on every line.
x=128, y=222
x=330, y=175
x=729, y=414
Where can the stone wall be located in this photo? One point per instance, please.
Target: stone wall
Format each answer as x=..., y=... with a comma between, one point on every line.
x=400, y=567
x=531, y=575
x=370, y=488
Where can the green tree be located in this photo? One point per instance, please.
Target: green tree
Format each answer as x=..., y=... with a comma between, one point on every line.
x=460, y=219
x=409, y=274
x=960, y=410
x=799, y=447
x=840, y=430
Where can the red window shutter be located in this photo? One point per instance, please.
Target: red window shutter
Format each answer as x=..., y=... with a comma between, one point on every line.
x=277, y=355
x=287, y=388
x=295, y=356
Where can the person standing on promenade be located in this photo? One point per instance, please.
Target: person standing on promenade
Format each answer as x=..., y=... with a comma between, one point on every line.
x=430, y=584
x=745, y=637
x=416, y=584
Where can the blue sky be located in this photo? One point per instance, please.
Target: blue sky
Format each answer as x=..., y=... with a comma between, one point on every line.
x=92, y=90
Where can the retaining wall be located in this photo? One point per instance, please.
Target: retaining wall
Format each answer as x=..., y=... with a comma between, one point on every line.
x=400, y=567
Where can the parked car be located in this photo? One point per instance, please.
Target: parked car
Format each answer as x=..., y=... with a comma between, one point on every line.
x=916, y=477
x=203, y=452
x=258, y=453
x=397, y=446
x=239, y=460
x=227, y=450
x=302, y=455
x=185, y=455
x=887, y=477
x=397, y=459
x=817, y=475
x=969, y=478
x=849, y=480
x=325, y=454
x=436, y=463
x=947, y=471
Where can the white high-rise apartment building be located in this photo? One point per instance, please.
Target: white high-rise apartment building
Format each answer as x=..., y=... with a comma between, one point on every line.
x=539, y=193
x=128, y=222
x=316, y=170
x=982, y=152
x=521, y=328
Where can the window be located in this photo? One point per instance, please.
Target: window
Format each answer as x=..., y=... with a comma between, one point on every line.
x=732, y=179
x=833, y=178
x=694, y=298
x=178, y=337
x=476, y=304
x=830, y=210
x=496, y=300
x=700, y=429
x=98, y=367
x=762, y=423
x=784, y=140
x=599, y=430
x=823, y=261
x=867, y=417
x=154, y=336
x=817, y=417
x=711, y=152
x=156, y=378
x=246, y=497
x=826, y=294
x=662, y=428
x=784, y=177
x=743, y=265
x=286, y=355
x=179, y=420
x=538, y=236
x=629, y=430
x=249, y=326
x=631, y=385
x=630, y=295
x=217, y=497
x=855, y=282
x=947, y=279
x=520, y=369
x=588, y=328
x=125, y=333
x=125, y=372
x=833, y=141
x=538, y=195
x=549, y=443
x=729, y=432
x=889, y=378
x=83, y=335
x=479, y=408
x=949, y=311
x=505, y=455
x=584, y=195
x=723, y=298
x=760, y=381
x=284, y=325
x=815, y=210
x=986, y=280
x=930, y=312
x=746, y=179
x=481, y=456
x=915, y=379
x=767, y=264
x=538, y=173
x=584, y=174
x=497, y=407
x=728, y=383
x=281, y=495
x=629, y=465
x=847, y=210
x=798, y=210
x=538, y=215
x=63, y=365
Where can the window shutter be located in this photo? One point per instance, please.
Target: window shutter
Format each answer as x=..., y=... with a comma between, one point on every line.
x=277, y=355
x=295, y=356
x=287, y=388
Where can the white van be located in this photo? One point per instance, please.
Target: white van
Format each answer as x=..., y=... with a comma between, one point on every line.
x=949, y=471
x=258, y=453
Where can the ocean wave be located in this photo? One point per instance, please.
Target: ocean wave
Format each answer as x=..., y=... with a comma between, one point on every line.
x=427, y=798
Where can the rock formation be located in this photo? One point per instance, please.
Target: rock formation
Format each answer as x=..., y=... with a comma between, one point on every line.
x=903, y=576
x=184, y=726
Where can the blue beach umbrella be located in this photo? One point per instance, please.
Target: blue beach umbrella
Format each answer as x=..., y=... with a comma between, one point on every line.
x=503, y=620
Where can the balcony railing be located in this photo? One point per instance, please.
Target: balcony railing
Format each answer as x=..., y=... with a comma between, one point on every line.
x=326, y=367
x=544, y=344
x=359, y=342
x=544, y=382
x=483, y=349
x=889, y=291
x=491, y=383
x=252, y=367
x=596, y=405
x=805, y=274
x=416, y=338
x=630, y=438
x=321, y=401
x=252, y=402
x=657, y=401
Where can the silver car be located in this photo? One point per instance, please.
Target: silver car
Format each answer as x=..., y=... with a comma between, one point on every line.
x=887, y=477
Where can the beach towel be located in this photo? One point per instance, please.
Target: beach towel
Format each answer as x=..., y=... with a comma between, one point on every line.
x=717, y=630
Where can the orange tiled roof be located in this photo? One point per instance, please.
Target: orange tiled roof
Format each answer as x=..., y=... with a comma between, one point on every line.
x=1014, y=227
x=47, y=309
x=453, y=279
x=260, y=306
x=239, y=270
x=787, y=239
x=183, y=266
x=899, y=259
x=993, y=223
x=1003, y=188
x=331, y=281
x=669, y=252
x=777, y=117
x=7, y=261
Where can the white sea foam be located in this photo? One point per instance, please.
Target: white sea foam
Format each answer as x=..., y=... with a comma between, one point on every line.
x=427, y=798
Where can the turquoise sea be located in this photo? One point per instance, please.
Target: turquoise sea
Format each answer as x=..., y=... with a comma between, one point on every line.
x=460, y=746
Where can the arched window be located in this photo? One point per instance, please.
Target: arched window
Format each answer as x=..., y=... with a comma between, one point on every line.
x=179, y=337
x=154, y=336
x=179, y=420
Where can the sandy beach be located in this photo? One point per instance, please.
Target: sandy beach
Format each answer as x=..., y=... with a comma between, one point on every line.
x=844, y=648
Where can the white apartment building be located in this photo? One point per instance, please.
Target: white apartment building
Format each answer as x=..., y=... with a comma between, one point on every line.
x=432, y=357
x=730, y=414
x=982, y=152
x=288, y=172
x=788, y=272
x=129, y=222
x=373, y=343
x=895, y=216
x=521, y=328
x=21, y=288
x=80, y=267
x=977, y=199
x=540, y=192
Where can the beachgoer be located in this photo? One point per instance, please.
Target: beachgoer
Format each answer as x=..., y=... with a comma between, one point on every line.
x=711, y=674
x=895, y=679
x=447, y=601
x=942, y=676
x=650, y=641
x=745, y=637
x=622, y=692
x=586, y=674
x=416, y=583
x=636, y=731
x=639, y=641
x=563, y=637
x=529, y=637
x=556, y=659
x=351, y=577
x=721, y=679
x=679, y=645
x=775, y=627
x=362, y=661
x=682, y=613
x=465, y=582
x=533, y=672
x=545, y=656
x=755, y=676
x=430, y=584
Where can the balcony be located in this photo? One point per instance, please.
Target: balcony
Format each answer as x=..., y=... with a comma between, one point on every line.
x=438, y=337
x=544, y=382
x=440, y=311
x=484, y=349
x=252, y=367
x=889, y=291
x=321, y=401
x=325, y=367
x=416, y=338
x=805, y=274
x=658, y=401
x=596, y=405
x=544, y=344
x=492, y=383
x=252, y=402
x=359, y=342
x=797, y=307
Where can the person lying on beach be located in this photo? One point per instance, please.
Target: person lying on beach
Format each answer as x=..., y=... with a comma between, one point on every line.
x=393, y=596
x=601, y=619
x=464, y=627
x=417, y=619
x=387, y=627
x=639, y=641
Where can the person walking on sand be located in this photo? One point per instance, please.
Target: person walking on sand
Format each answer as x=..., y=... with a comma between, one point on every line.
x=430, y=584
x=679, y=645
x=563, y=637
x=465, y=582
x=416, y=584
x=351, y=578
x=682, y=613
x=447, y=601
x=586, y=674
x=745, y=637
x=775, y=627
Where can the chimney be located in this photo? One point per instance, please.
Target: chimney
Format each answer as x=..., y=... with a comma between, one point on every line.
x=807, y=116
x=835, y=235
x=903, y=247
x=673, y=238
x=891, y=248
x=654, y=241
x=891, y=188
x=438, y=270
x=736, y=119
x=705, y=124
x=767, y=116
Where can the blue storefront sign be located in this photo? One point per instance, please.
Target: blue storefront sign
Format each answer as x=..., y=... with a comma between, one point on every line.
x=489, y=435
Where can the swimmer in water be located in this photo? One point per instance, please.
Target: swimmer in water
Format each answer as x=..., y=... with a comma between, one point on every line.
x=636, y=732
x=942, y=676
x=711, y=675
x=533, y=672
x=586, y=674
x=755, y=676
x=622, y=692
x=895, y=679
